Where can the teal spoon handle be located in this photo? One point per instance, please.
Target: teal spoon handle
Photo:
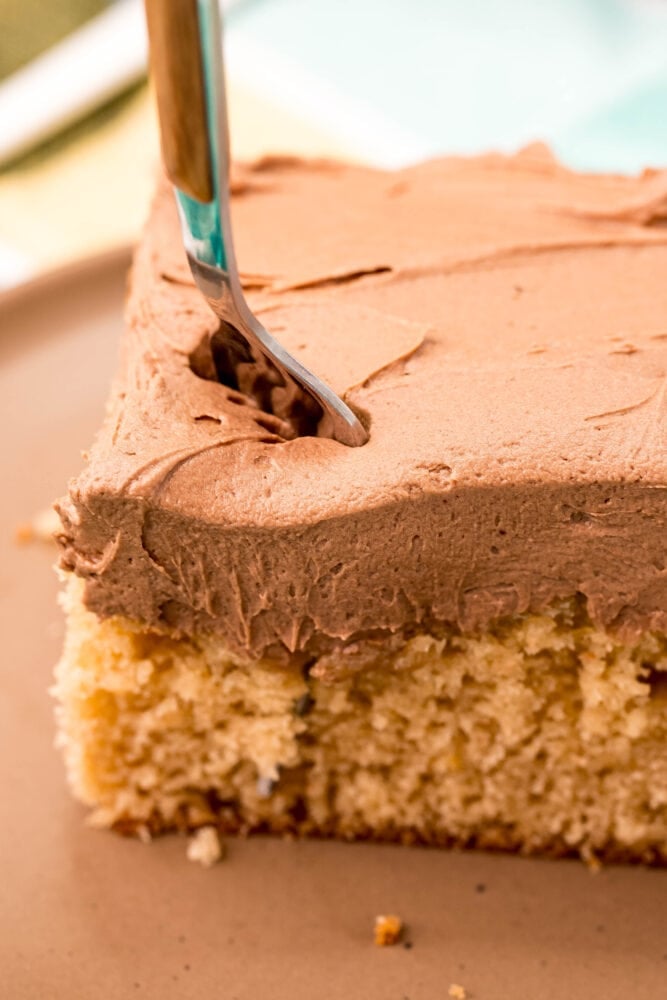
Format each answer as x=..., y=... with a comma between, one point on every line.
x=206, y=223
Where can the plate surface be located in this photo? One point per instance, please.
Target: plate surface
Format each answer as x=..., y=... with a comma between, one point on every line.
x=86, y=914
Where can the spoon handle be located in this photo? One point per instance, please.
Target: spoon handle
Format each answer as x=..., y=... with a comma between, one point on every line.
x=178, y=75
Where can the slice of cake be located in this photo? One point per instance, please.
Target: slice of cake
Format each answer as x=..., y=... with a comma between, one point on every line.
x=454, y=634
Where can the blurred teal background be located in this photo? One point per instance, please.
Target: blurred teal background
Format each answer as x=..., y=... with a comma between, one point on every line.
x=398, y=80
x=587, y=76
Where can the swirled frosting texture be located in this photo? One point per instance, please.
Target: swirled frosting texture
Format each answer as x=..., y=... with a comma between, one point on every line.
x=503, y=324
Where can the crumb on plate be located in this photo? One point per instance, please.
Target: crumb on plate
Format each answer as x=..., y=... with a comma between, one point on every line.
x=205, y=847
x=41, y=528
x=591, y=860
x=388, y=930
x=457, y=992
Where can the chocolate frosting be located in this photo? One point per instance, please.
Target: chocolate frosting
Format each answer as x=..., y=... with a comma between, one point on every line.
x=500, y=322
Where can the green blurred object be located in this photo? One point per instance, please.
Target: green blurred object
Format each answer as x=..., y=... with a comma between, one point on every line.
x=27, y=27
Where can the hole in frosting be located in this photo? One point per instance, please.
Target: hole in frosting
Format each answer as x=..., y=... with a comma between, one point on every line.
x=225, y=358
x=230, y=352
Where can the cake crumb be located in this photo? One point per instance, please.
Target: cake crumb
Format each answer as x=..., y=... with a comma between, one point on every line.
x=23, y=533
x=591, y=860
x=41, y=528
x=205, y=847
x=388, y=930
x=457, y=992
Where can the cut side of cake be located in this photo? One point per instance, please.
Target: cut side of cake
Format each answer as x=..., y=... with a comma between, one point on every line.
x=456, y=634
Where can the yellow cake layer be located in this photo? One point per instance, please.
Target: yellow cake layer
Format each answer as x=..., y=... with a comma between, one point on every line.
x=544, y=734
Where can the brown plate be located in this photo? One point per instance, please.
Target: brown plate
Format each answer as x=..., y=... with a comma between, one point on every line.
x=85, y=914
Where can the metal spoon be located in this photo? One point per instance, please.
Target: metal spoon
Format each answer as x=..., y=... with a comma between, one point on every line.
x=187, y=63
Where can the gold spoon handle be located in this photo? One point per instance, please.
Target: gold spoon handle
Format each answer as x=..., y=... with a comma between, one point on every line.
x=178, y=74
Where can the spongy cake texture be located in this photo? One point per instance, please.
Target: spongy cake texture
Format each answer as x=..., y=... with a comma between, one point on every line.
x=543, y=734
